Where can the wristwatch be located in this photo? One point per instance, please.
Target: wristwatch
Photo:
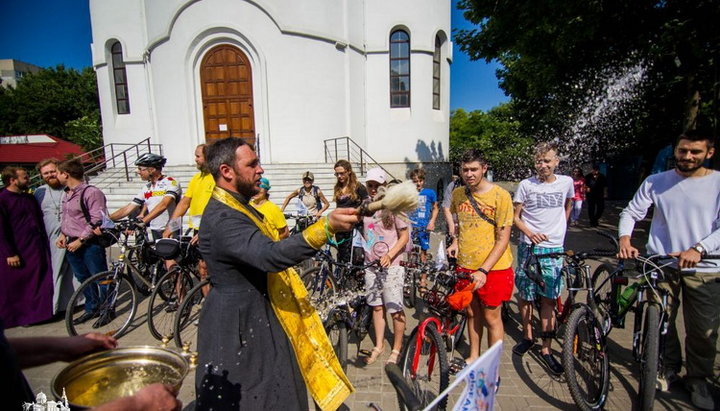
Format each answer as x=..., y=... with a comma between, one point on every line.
x=700, y=249
x=482, y=270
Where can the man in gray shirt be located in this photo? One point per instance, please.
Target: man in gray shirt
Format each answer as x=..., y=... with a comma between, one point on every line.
x=685, y=223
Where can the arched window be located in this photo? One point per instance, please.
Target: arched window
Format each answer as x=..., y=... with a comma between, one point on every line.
x=122, y=99
x=436, y=74
x=399, y=69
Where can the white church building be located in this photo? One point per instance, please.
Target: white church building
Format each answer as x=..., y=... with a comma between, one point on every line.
x=285, y=74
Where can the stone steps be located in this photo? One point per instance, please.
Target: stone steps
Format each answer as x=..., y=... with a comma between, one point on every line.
x=284, y=179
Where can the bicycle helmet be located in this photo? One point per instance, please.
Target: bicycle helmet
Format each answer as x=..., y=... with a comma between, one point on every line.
x=151, y=160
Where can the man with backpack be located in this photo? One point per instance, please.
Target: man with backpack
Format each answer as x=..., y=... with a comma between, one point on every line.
x=312, y=200
x=83, y=208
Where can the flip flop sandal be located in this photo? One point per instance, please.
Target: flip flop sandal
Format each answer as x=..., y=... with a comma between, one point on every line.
x=456, y=365
x=371, y=356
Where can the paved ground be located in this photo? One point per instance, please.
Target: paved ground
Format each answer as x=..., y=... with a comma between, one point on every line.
x=525, y=382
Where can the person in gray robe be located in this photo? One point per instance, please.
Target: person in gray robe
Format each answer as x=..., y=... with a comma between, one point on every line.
x=246, y=361
x=49, y=196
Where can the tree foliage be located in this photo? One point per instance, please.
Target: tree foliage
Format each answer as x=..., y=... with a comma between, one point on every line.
x=558, y=54
x=57, y=101
x=496, y=134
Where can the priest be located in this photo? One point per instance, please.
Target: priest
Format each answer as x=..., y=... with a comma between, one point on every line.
x=260, y=342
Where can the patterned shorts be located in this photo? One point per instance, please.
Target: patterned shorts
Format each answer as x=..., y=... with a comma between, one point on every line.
x=423, y=238
x=385, y=287
x=551, y=273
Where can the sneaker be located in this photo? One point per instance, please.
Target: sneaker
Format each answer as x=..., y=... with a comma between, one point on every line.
x=522, y=347
x=700, y=395
x=86, y=316
x=555, y=367
x=105, y=319
x=666, y=380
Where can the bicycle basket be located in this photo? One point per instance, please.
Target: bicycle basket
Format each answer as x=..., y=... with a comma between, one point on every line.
x=167, y=248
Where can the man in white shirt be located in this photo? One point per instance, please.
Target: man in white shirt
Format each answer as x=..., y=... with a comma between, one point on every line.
x=159, y=195
x=542, y=208
x=685, y=223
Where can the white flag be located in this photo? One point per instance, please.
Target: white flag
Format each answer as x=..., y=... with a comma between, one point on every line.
x=441, y=258
x=481, y=381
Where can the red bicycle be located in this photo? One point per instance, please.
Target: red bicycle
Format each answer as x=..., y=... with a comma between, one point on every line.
x=424, y=362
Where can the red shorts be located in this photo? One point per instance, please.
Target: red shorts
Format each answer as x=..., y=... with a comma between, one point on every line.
x=498, y=287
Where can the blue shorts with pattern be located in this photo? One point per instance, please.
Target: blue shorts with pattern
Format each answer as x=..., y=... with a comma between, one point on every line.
x=551, y=273
x=421, y=237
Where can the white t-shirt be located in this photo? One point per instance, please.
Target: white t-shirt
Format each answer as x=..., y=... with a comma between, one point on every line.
x=544, y=208
x=152, y=194
x=687, y=212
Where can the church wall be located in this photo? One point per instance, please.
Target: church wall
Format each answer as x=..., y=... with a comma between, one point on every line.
x=299, y=83
x=123, y=24
x=320, y=70
x=417, y=133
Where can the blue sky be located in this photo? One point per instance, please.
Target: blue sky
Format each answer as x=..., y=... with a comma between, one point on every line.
x=51, y=32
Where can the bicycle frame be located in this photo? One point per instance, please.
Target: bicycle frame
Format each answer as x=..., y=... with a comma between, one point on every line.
x=639, y=310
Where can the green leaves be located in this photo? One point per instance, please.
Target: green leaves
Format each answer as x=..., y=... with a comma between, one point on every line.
x=496, y=134
x=556, y=52
x=57, y=101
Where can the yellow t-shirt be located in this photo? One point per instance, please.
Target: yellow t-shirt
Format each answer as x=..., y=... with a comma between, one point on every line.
x=272, y=214
x=199, y=191
x=477, y=236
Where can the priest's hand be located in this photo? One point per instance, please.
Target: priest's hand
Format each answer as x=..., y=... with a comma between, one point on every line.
x=343, y=219
x=14, y=261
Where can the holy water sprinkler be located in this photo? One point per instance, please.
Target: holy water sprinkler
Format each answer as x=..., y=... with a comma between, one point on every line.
x=398, y=198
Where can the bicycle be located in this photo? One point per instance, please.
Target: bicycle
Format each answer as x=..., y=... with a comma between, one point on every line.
x=416, y=270
x=651, y=317
x=301, y=223
x=113, y=290
x=173, y=286
x=142, y=264
x=188, y=316
x=584, y=355
x=423, y=362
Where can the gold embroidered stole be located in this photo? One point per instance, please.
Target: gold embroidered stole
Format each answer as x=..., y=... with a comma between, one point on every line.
x=324, y=377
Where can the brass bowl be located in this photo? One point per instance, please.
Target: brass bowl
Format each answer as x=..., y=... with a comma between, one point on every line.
x=105, y=376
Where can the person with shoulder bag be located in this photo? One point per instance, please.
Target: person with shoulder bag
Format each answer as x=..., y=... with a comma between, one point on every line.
x=83, y=207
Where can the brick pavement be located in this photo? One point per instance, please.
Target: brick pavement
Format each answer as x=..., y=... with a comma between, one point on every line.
x=525, y=383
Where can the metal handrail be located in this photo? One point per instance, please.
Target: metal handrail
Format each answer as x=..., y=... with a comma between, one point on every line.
x=351, y=151
x=120, y=155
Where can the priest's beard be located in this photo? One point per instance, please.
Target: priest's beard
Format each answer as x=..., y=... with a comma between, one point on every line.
x=247, y=187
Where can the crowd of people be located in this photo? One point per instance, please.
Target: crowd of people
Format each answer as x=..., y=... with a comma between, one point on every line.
x=255, y=338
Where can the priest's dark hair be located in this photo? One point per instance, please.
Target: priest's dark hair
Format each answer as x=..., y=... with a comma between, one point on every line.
x=73, y=168
x=222, y=152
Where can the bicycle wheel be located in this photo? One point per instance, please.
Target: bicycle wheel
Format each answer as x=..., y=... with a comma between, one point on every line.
x=188, y=316
x=650, y=343
x=320, y=287
x=164, y=301
x=585, y=360
x=428, y=370
x=336, y=330
x=115, y=309
x=410, y=288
